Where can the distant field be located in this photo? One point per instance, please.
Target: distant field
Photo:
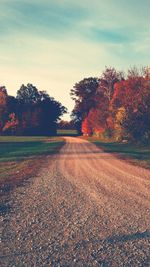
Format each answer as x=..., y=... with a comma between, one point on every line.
x=67, y=132
x=22, y=156
x=137, y=154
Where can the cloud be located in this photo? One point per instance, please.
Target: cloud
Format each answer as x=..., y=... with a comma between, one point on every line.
x=54, y=44
x=50, y=65
x=49, y=19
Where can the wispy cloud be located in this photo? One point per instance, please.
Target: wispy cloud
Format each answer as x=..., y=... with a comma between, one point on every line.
x=54, y=44
x=40, y=17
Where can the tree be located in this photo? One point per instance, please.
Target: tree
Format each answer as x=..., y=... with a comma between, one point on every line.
x=3, y=107
x=83, y=93
x=28, y=94
x=107, y=81
x=67, y=125
x=11, y=125
x=98, y=115
x=86, y=127
x=77, y=119
x=51, y=111
x=134, y=95
x=40, y=112
x=120, y=116
x=101, y=114
x=32, y=112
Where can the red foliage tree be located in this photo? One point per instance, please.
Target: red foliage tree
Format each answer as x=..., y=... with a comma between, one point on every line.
x=11, y=125
x=134, y=95
x=86, y=127
x=3, y=106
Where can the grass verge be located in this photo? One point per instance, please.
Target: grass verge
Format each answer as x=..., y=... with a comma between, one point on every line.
x=22, y=157
x=133, y=153
x=67, y=133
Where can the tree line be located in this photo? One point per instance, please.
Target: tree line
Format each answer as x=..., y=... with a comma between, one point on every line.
x=115, y=105
x=31, y=112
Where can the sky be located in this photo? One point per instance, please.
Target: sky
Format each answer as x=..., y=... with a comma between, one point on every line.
x=55, y=43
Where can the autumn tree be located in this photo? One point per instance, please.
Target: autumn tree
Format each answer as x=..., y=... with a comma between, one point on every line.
x=98, y=115
x=11, y=124
x=32, y=112
x=107, y=81
x=103, y=120
x=133, y=95
x=3, y=107
x=86, y=127
x=119, y=118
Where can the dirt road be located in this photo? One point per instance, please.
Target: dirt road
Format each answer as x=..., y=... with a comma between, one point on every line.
x=85, y=208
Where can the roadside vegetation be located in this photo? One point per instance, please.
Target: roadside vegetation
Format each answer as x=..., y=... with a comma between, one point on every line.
x=112, y=108
x=113, y=111
x=22, y=157
x=30, y=113
x=138, y=154
x=114, y=105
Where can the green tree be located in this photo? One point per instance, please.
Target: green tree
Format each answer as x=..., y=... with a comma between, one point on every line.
x=39, y=112
x=28, y=94
x=83, y=93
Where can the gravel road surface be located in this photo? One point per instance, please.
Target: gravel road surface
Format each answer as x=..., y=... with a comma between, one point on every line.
x=84, y=208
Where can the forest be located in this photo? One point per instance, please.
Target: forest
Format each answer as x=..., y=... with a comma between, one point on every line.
x=114, y=106
x=31, y=112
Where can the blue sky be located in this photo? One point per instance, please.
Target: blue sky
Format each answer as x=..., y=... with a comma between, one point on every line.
x=56, y=43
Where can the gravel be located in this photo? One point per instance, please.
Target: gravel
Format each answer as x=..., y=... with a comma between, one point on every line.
x=84, y=208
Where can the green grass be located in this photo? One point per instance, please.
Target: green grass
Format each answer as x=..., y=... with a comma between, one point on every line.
x=67, y=133
x=18, y=139
x=137, y=154
x=18, y=148
x=21, y=157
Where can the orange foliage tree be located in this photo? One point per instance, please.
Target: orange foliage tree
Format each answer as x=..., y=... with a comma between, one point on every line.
x=133, y=95
x=11, y=125
x=86, y=127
